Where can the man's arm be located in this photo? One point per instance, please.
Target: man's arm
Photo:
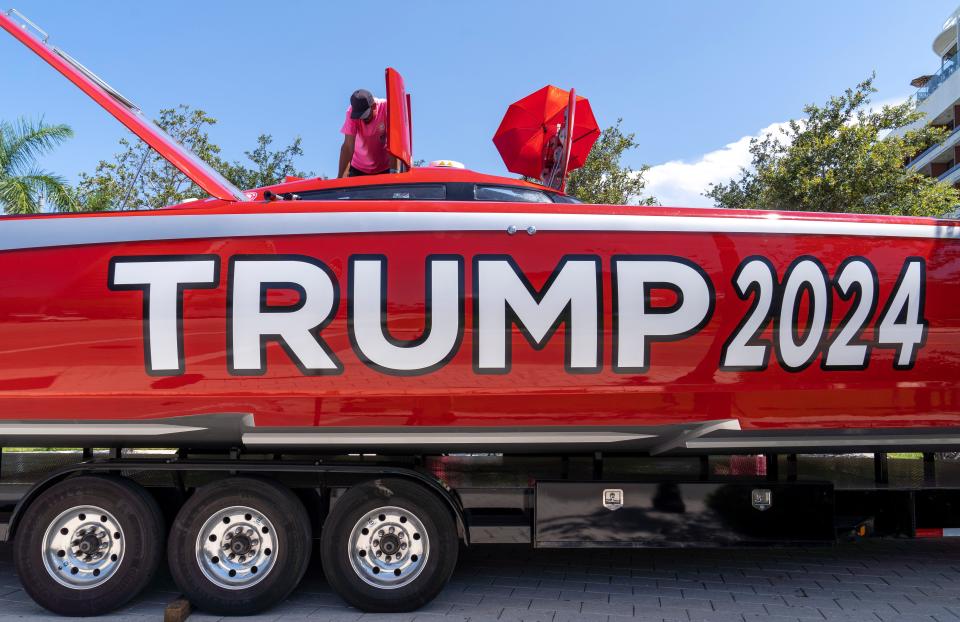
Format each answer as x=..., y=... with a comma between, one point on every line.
x=346, y=154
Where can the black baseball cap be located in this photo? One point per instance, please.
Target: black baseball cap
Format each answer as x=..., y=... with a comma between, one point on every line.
x=361, y=102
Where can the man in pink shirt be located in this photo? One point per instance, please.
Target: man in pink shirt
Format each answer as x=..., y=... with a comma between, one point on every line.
x=364, y=149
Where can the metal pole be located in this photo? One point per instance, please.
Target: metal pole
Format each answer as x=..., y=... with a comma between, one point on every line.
x=146, y=153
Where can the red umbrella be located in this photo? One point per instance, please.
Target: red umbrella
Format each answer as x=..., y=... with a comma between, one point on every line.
x=532, y=121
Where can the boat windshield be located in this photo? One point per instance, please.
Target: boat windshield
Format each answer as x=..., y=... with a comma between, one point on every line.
x=450, y=191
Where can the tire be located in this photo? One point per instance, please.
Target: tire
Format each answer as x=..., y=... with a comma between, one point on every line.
x=228, y=572
x=421, y=530
x=68, y=573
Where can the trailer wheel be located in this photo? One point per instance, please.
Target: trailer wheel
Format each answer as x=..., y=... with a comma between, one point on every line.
x=388, y=546
x=88, y=545
x=239, y=545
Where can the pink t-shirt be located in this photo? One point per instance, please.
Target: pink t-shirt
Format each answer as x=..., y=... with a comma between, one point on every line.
x=370, y=152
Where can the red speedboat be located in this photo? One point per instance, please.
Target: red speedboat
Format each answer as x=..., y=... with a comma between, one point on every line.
x=442, y=308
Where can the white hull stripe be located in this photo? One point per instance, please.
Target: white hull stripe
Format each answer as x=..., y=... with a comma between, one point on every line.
x=338, y=439
x=821, y=441
x=55, y=231
x=93, y=429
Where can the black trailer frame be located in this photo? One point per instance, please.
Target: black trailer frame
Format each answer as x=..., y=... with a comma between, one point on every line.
x=562, y=500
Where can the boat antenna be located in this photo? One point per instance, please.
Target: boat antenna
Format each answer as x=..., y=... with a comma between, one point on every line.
x=126, y=196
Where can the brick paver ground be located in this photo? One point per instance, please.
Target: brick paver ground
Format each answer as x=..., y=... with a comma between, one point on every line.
x=878, y=581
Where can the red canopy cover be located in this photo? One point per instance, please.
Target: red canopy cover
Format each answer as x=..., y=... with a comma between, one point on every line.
x=531, y=122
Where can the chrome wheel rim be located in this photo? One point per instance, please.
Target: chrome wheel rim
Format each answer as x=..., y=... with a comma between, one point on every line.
x=388, y=547
x=83, y=547
x=236, y=547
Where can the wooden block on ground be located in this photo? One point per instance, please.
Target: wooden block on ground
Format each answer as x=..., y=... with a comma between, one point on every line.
x=177, y=611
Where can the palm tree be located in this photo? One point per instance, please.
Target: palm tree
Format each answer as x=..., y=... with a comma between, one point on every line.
x=25, y=188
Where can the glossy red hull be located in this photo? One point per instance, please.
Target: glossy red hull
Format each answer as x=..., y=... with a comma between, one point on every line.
x=73, y=348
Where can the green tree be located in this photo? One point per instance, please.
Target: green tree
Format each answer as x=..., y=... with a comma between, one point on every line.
x=841, y=159
x=138, y=177
x=603, y=179
x=25, y=188
x=269, y=166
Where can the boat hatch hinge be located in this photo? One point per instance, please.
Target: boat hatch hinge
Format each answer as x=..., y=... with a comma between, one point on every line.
x=25, y=22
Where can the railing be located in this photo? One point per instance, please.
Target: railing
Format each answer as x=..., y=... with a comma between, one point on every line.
x=953, y=169
x=949, y=66
x=934, y=147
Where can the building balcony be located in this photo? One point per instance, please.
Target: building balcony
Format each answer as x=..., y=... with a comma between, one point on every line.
x=949, y=67
x=938, y=107
x=951, y=176
x=935, y=152
x=948, y=35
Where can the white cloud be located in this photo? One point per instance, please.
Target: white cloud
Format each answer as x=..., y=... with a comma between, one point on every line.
x=890, y=101
x=682, y=184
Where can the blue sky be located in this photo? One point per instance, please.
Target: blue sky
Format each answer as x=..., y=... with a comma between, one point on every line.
x=693, y=80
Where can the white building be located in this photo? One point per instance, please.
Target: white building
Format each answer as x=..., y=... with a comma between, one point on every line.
x=938, y=97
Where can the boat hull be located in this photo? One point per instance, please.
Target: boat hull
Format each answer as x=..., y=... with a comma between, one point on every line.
x=596, y=318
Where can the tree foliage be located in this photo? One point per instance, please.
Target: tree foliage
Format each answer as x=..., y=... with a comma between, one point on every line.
x=840, y=159
x=603, y=179
x=269, y=166
x=138, y=177
x=24, y=187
